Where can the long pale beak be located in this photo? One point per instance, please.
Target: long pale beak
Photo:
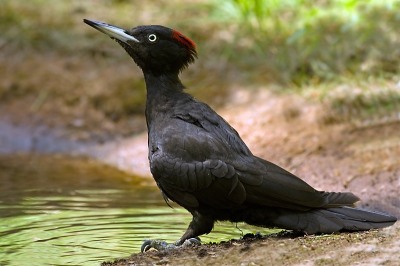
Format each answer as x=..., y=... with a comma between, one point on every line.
x=110, y=30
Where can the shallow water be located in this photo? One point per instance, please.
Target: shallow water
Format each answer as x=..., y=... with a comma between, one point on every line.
x=70, y=211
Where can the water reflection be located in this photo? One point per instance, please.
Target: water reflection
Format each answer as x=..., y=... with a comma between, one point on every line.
x=71, y=211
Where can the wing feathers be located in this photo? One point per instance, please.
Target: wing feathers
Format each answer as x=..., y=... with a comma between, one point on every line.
x=276, y=189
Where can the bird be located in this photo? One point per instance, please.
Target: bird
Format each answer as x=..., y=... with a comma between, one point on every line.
x=200, y=162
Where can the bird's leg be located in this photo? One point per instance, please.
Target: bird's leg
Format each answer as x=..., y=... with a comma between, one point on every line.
x=199, y=225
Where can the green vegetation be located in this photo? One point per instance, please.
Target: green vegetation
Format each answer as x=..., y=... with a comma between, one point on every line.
x=299, y=45
x=343, y=52
x=308, y=40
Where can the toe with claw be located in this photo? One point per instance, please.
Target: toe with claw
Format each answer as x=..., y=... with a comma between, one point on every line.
x=162, y=245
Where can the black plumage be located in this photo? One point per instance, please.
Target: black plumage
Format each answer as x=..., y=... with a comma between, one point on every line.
x=199, y=161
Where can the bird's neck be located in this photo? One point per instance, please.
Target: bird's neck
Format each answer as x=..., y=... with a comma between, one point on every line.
x=163, y=92
x=158, y=85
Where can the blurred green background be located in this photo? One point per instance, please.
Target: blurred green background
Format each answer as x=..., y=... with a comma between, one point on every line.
x=58, y=71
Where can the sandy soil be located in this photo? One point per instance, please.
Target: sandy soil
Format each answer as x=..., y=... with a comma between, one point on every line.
x=364, y=248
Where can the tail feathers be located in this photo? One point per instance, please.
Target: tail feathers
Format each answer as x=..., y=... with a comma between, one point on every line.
x=355, y=219
x=339, y=199
x=333, y=220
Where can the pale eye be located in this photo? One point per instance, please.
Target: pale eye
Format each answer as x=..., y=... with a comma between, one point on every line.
x=152, y=37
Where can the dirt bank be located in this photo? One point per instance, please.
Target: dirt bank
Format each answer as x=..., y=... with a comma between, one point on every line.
x=376, y=247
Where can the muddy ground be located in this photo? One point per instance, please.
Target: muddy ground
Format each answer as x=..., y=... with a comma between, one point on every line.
x=376, y=247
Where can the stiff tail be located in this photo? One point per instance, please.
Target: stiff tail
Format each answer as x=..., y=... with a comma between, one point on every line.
x=355, y=219
x=333, y=220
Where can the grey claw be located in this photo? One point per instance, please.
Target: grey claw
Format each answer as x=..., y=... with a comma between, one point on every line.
x=191, y=241
x=146, y=245
x=156, y=244
x=162, y=245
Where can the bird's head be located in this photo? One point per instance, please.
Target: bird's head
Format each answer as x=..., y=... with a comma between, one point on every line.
x=155, y=49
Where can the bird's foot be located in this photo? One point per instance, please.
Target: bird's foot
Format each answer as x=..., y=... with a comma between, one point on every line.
x=162, y=245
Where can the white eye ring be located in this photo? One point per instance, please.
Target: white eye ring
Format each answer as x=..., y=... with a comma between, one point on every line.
x=152, y=37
